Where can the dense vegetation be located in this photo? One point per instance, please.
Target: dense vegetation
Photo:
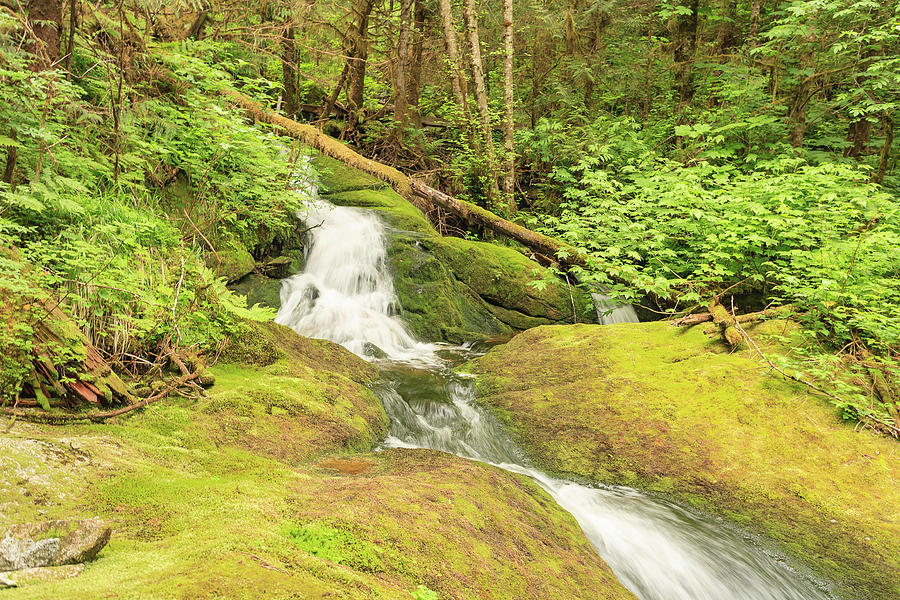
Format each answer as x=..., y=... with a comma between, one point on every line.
x=739, y=150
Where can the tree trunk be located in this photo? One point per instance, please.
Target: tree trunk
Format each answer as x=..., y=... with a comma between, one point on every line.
x=73, y=25
x=358, y=55
x=12, y=153
x=726, y=37
x=470, y=21
x=885, y=150
x=509, y=175
x=45, y=17
x=755, y=9
x=457, y=80
x=420, y=14
x=195, y=32
x=400, y=98
x=684, y=50
x=289, y=69
x=859, y=133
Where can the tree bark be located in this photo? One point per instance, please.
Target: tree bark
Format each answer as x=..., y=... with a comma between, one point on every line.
x=420, y=14
x=289, y=69
x=400, y=98
x=885, y=150
x=859, y=133
x=755, y=10
x=457, y=81
x=195, y=31
x=73, y=25
x=358, y=55
x=509, y=174
x=470, y=21
x=12, y=153
x=726, y=38
x=684, y=51
x=45, y=18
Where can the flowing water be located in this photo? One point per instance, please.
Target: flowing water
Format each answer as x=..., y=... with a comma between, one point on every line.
x=659, y=550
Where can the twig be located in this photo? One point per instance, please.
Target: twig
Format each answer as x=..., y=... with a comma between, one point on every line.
x=894, y=430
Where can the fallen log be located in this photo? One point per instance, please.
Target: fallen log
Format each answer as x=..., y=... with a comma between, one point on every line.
x=769, y=313
x=412, y=189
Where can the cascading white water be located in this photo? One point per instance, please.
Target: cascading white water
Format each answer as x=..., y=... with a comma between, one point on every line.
x=610, y=312
x=659, y=550
x=345, y=292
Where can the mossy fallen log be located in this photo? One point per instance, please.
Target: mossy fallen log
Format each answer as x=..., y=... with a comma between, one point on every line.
x=414, y=190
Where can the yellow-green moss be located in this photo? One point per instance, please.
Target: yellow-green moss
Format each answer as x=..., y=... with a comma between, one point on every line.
x=672, y=411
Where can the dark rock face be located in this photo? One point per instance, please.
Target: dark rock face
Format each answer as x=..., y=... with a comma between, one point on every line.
x=52, y=543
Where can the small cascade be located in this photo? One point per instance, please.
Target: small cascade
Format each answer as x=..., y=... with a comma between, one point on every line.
x=610, y=312
x=658, y=550
x=345, y=293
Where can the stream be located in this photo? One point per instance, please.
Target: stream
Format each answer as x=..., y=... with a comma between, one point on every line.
x=657, y=549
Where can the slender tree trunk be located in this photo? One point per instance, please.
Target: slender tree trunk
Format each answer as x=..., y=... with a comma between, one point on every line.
x=195, y=31
x=470, y=21
x=329, y=105
x=684, y=51
x=9, y=173
x=358, y=55
x=804, y=92
x=885, y=150
x=289, y=69
x=456, y=79
x=70, y=45
x=755, y=10
x=420, y=14
x=45, y=17
x=400, y=99
x=509, y=175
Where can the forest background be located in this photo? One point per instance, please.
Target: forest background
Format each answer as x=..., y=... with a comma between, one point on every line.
x=736, y=151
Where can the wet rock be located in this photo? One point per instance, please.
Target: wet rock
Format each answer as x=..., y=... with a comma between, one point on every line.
x=278, y=268
x=370, y=349
x=52, y=543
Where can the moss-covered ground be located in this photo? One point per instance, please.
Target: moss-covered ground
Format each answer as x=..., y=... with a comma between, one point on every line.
x=268, y=489
x=454, y=289
x=671, y=411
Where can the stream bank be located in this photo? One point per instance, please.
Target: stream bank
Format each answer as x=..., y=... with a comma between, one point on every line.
x=671, y=411
x=269, y=488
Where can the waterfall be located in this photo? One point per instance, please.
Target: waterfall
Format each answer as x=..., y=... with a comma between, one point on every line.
x=657, y=549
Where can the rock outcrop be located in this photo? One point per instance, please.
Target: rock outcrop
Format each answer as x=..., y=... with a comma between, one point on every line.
x=668, y=410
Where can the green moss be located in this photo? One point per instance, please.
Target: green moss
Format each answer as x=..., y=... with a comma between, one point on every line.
x=452, y=289
x=336, y=545
x=231, y=263
x=670, y=410
x=259, y=289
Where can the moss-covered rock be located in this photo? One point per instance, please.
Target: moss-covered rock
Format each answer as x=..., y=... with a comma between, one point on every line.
x=259, y=289
x=453, y=289
x=232, y=263
x=258, y=491
x=669, y=410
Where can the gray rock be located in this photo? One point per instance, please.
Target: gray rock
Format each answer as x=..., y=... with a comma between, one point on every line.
x=51, y=543
x=6, y=582
x=16, y=553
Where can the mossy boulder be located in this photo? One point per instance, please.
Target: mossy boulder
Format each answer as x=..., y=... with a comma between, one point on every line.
x=232, y=262
x=259, y=289
x=453, y=289
x=671, y=411
x=267, y=488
